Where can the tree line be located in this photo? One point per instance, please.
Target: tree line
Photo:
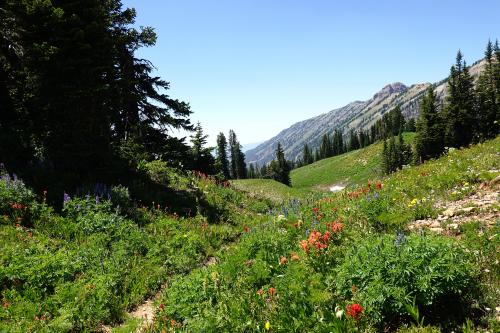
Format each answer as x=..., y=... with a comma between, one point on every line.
x=471, y=112
x=337, y=143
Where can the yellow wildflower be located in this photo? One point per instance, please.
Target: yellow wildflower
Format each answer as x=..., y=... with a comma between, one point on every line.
x=267, y=325
x=413, y=202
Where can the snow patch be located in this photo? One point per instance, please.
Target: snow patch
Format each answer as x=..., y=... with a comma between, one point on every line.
x=336, y=188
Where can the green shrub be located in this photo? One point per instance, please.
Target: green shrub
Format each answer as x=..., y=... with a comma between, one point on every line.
x=388, y=272
x=17, y=202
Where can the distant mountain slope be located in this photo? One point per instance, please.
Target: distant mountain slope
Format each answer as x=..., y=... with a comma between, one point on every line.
x=356, y=115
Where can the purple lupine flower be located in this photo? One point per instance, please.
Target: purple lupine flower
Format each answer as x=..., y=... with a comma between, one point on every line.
x=67, y=198
x=375, y=196
x=97, y=200
x=400, y=238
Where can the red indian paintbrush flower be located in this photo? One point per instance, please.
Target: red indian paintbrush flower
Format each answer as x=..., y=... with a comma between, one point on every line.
x=354, y=310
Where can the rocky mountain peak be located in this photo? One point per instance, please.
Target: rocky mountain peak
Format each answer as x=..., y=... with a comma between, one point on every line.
x=393, y=88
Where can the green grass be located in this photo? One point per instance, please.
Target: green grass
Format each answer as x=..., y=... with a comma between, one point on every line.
x=353, y=168
x=271, y=279
x=86, y=266
x=269, y=189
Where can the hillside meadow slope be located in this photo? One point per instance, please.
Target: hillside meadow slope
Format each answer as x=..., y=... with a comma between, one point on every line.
x=355, y=260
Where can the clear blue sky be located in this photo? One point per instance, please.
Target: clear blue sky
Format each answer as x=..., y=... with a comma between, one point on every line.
x=258, y=66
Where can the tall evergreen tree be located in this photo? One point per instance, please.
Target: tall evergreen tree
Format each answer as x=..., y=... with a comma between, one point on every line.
x=284, y=165
x=487, y=108
x=73, y=73
x=353, y=141
x=430, y=131
x=459, y=109
x=397, y=120
x=238, y=166
x=222, y=162
x=307, y=157
x=251, y=171
x=233, y=151
x=279, y=168
x=325, y=149
x=496, y=75
x=263, y=171
x=411, y=125
x=338, y=143
x=202, y=159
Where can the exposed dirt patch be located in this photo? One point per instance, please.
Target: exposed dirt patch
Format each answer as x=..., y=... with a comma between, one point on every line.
x=210, y=261
x=482, y=206
x=145, y=312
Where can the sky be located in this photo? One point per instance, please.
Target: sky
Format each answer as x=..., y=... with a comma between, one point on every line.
x=259, y=66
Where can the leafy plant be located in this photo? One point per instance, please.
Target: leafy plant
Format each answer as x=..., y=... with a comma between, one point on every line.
x=388, y=274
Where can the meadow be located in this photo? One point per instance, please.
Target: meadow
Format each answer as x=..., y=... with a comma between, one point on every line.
x=326, y=262
x=348, y=261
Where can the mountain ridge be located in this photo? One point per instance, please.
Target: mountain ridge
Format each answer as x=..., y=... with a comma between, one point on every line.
x=357, y=115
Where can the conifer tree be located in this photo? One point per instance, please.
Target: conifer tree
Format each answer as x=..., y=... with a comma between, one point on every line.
x=404, y=152
x=283, y=165
x=353, y=141
x=233, y=143
x=279, y=168
x=496, y=76
x=76, y=89
x=202, y=159
x=459, y=110
x=251, y=171
x=263, y=171
x=238, y=166
x=242, y=166
x=307, y=157
x=338, y=146
x=397, y=121
x=325, y=149
x=429, y=129
x=410, y=125
x=486, y=100
x=222, y=162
